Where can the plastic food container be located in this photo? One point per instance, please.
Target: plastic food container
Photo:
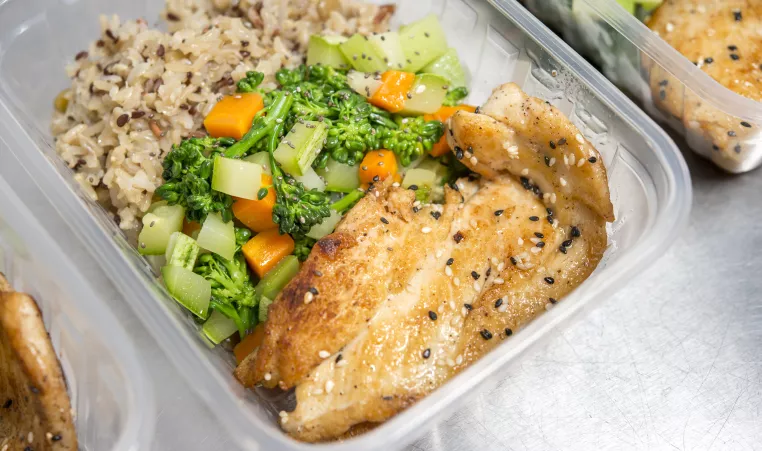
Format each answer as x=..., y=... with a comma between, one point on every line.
x=499, y=41
x=671, y=88
x=110, y=394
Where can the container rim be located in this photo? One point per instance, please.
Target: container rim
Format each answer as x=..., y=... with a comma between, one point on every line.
x=173, y=336
x=656, y=48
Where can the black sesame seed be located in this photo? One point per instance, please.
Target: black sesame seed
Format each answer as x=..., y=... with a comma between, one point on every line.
x=731, y=133
x=468, y=307
x=737, y=16
x=552, y=300
x=562, y=249
x=534, y=218
x=552, y=145
x=499, y=212
x=458, y=153
x=734, y=57
x=436, y=215
x=338, y=358
x=7, y=404
x=737, y=148
x=450, y=261
x=562, y=141
x=376, y=178
x=732, y=48
x=746, y=124
x=426, y=353
x=547, y=161
x=662, y=94
x=34, y=390
x=539, y=235
x=513, y=260
x=317, y=273
x=592, y=160
x=508, y=332
x=664, y=83
x=487, y=335
x=433, y=315
x=458, y=237
x=475, y=275
x=715, y=147
x=709, y=60
x=384, y=220
x=413, y=187
x=567, y=243
x=314, y=291
x=549, y=280
x=489, y=271
x=477, y=110
x=575, y=232
x=499, y=302
x=56, y=438
x=541, y=244
x=416, y=209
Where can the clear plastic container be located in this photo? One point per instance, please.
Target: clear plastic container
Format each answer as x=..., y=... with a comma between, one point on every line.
x=499, y=41
x=671, y=88
x=110, y=393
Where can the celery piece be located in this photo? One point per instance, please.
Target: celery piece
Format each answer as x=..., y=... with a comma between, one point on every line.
x=363, y=83
x=262, y=159
x=440, y=171
x=389, y=48
x=300, y=147
x=311, y=180
x=264, y=306
x=326, y=227
x=218, y=327
x=426, y=95
x=420, y=178
x=217, y=236
x=161, y=221
x=422, y=42
x=182, y=251
x=325, y=50
x=448, y=66
x=189, y=289
x=340, y=177
x=238, y=178
x=277, y=278
x=362, y=55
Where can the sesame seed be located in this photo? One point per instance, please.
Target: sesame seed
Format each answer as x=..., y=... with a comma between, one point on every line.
x=562, y=181
x=513, y=261
x=535, y=250
x=552, y=162
x=534, y=218
x=384, y=220
x=458, y=237
x=473, y=160
x=579, y=138
x=737, y=15
x=426, y=230
x=520, y=241
x=475, y=275
x=436, y=215
x=549, y=280
x=745, y=124
x=499, y=212
x=567, y=243
x=732, y=48
x=499, y=302
x=268, y=376
x=459, y=360
x=552, y=300
x=456, y=281
x=324, y=354
x=501, y=266
x=432, y=315
x=592, y=160
x=413, y=188
x=450, y=261
x=709, y=60
x=575, y=232
x=329, y=386
x=732, y=134
x=734, y=57
x=508, y=332
x=342, y=364
x=552, y=145
x=498, y=281
x=487, y=335
x=308, y=297
x=30, y=437
x=439, y=253
x=562, y=249
x=426, y=353
x=525, y=171
x=477, y=286
x=283, y=413
x=7, y=404
x=581, y=162
x=540, y=244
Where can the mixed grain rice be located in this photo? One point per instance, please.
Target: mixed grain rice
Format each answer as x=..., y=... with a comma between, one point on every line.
x=136, y=91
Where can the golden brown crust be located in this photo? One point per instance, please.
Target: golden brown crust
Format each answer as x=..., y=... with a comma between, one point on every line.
x=38, y=412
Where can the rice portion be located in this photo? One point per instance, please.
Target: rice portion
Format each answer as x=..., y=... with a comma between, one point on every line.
x=136, y=91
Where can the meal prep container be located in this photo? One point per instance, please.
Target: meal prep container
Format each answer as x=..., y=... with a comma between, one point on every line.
x=669, y=85
x=498, y=41
x=110, y=393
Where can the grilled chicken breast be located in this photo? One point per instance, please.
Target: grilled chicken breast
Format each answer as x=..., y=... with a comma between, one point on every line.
x=35, y=412
x=408, y=295
x=723, y=38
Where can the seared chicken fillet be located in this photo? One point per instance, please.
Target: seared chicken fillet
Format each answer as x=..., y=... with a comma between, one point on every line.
x=35, y=412
x=723, y=39
x=409, y=294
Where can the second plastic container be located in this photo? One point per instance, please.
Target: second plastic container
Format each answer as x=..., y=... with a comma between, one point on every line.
x=499, y=42
x=718, y=124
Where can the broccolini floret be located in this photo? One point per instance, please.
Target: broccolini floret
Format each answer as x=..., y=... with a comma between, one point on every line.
x=250, y=82
x=303, y=246
x=413, y=138
x=455, y=96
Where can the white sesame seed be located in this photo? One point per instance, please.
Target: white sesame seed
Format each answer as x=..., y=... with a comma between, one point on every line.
x=552, y=162
x=566, y=160
x=580, y=162
x=461, y=186
x=525, y=171
x=501, y=266
x=317, y=391
x=548, y=306
x=546, y=197
x=473, y=160
x=396, y=184
x=283, y=414
x=48, y=435
x=563, y=181
x=448, y=271
x=329, y=386
x=324, y=354
x=268, y=376
x=477, y=286
x=417, y=203
x=572, y=159
x=503, y=307
x=426, y=230
x=459, y=360
x=439, y=253
x=521, y=241
x=452, y=304
x=464, y=311
x=535, y=250
x=580, y=138
x=553, y=198
x=450, y=362
x=670, y=27
x=456, y=281
x=440, y=309
x=342, y=363
x=523, y=255
x=494, y=260
x=284, y=420
x=30, y=437
x=498, y=281
x=376, y=193
x=308, y=297
x=534, y=239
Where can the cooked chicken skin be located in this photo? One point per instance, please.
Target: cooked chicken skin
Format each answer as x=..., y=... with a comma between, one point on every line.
x=410, y=295
x=35, y=412
x=723, y=38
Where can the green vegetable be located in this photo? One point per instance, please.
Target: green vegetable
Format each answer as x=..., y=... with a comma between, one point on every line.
x=182, y=251
x=218, y=236
x=189, y=289
x=303, y=246
x=326, y=227
x=325, y=50
x=340, y=177
x=389, y=47
x=262, y=159
x=236, y=177
x=250, y=82
x=426, y=95
x=422, y=42
x=414, y=137
x=300, y=147
x=448, y=66
x=264, y=306
x=159, y=224
x=219, y=327
x=311, y=180
x=264, y=125
x=362, y=55
x=363, y=83
x=455, y=96
x=423, y=179
x=277, y=278
x=348, y=201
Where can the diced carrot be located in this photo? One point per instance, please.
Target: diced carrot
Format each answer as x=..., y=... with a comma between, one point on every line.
x=249, y=343
x=231, y=117
x=377, y=163
x=444, y=113
x=395, y=86
x=257, y=214
x=266, y=249
x=190, y=227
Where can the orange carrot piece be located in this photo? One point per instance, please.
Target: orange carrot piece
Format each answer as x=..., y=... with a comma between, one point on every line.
x=266, y=249
x=443, y=114
x=395, y=86
x=249, y=343
x=377, y=163
x=257, y=214
x=190, y=227
x=231, y=117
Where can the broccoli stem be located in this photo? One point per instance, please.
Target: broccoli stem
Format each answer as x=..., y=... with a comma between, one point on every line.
x=347, y=201
x=263, y=125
